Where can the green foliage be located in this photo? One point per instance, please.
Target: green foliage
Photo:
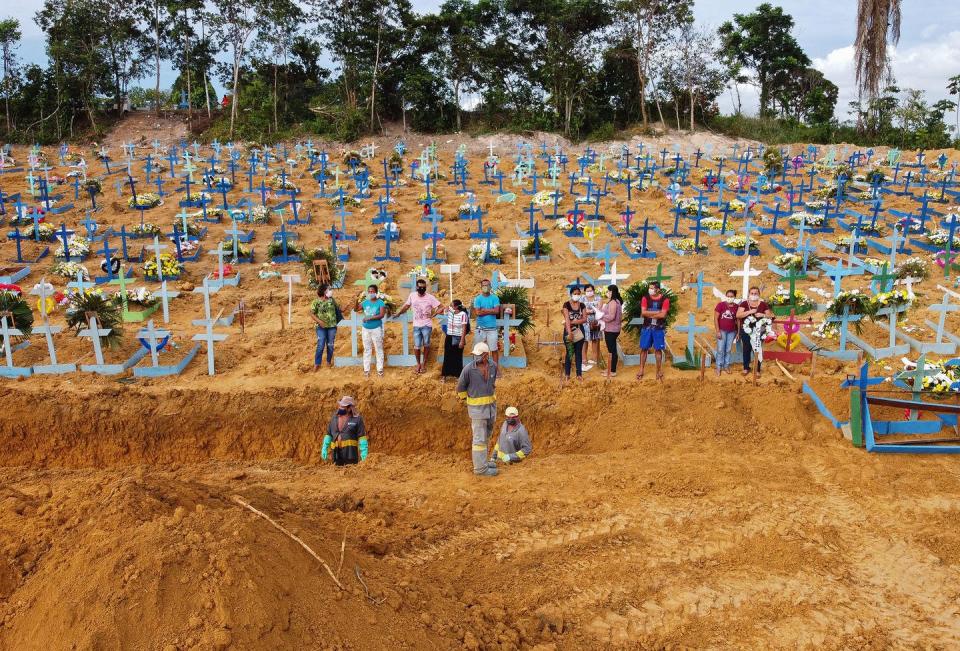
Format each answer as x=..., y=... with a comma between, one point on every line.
x=631, y=304
x=107, y=312
x=691, y=361
x=773, y=161
x=22, y=317
x=520, y=298
x=337, y=269
x=762, y=42
x=546, y=248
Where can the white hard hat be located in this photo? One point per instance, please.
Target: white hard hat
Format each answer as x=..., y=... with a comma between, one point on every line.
x=511, y=412
x=481, y=348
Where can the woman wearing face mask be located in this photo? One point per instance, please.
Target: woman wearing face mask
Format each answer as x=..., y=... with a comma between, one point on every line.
x=592, y=328
x=346, y=435
x=725, y=324
x=753, y=306
x=574, y=316
x=326, y=314
x=458, y=327
x=612, y=316
x=373, y=309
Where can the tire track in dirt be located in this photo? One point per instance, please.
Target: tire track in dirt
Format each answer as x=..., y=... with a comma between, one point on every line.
x=910, y=586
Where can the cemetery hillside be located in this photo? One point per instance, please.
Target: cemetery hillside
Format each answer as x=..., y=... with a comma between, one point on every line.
x=200, y=451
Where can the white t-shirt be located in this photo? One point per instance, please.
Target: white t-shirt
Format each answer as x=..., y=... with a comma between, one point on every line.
x=456, y=323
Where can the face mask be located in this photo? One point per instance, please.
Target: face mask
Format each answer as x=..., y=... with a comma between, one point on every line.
x=589, y=294
x=731, y=299
x=421, y=290
x=480, y=359
x=328, y=293
x=511, y=421
x=653, y=292
x=754, y=297
x=574, y=299
x=371, y=296
x=342, y=412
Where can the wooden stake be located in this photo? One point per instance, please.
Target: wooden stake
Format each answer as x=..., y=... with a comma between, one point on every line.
x=281, y=317
x=239, y=500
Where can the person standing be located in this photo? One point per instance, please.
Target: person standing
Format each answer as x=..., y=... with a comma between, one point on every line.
x=592, y=329
x=458, y=325
x=612, y=317
x=756, y=307
x=374, y=310
x=425, y=307
x=574, y=316
x=476, y=386
x=326, y=314
x=486, y=308
x=653, y=312
x=346, y=435
x=725, y=324
x=513, y=445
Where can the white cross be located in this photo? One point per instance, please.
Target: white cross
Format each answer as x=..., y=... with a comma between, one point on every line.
x=219, y=253
x=165, y=297
x=94, y=332
x=206, y=291
x=519, y=281
x=7, y=329
x=908, y=281
x=42, y=289
x=156, y=247
x=450, y=269
x=153, y=335
x=746, y=273
x=209, y=337
x=290, y=279
x=613, y=277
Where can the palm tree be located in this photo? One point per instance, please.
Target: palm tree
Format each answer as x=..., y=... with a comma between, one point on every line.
x=875, y=18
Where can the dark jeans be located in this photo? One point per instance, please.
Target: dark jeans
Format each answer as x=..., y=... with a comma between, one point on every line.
x=611, y=340
x=578, y=354
x=325, y=338
x=747, y=351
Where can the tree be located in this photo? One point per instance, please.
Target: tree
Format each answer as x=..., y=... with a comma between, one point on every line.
x=562, y=40
x=875, y=19
x=235, y=22
x=762, y=41
x=460, y=32
x=9, y=37
x=953, y=87
x=276, y=38
x=644, y=25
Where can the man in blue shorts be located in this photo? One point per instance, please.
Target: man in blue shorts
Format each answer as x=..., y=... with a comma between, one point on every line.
x=653, y=311
x=425, y=307
x=486, y=308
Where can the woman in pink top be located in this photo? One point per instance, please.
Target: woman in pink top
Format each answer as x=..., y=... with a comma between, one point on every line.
x=610, y=323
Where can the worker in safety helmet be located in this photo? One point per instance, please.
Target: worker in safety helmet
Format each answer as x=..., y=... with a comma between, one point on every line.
x=514, y=445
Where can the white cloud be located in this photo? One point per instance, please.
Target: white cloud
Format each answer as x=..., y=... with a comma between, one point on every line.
x=925, y=66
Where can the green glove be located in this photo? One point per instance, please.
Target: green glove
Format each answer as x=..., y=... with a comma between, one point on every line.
x=325, y=448
x=364, y=449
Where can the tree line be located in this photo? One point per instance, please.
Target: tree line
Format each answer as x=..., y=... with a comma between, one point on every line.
x=583, y=68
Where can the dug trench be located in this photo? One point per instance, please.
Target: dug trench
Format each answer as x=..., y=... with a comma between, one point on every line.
x=713, y=516
x=114, y=426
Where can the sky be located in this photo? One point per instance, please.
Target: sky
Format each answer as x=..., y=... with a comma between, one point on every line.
x=928, y=52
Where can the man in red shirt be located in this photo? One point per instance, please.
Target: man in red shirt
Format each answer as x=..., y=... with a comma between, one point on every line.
x=725, y=324
x=653, y=310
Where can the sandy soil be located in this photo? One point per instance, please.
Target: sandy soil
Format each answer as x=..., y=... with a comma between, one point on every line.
x=707, y=515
